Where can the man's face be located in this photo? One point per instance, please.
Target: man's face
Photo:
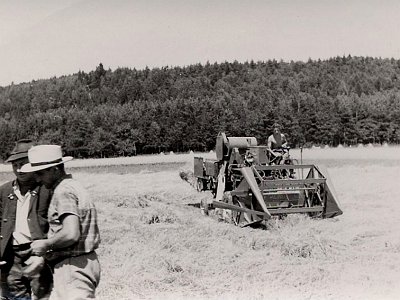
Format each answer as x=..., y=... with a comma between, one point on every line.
x=46, y=177
x=22, y=177
x=277, y=130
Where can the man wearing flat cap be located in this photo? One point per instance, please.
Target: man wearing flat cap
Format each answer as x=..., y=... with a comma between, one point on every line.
x=74, y=234
x=23, y=212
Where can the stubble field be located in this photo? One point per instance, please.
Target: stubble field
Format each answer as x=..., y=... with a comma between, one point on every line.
x=157, y=245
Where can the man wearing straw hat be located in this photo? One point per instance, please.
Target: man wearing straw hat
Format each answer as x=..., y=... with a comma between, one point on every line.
x=24, y=204
x=74, y=234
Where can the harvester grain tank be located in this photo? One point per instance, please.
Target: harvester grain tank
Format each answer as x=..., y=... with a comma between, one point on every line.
x=248, y=184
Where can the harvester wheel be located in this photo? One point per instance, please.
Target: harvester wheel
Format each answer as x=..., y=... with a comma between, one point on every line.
x=230, y=216
x=200, y=184
x=236, y=215
x=225, y=215
x=204, y=207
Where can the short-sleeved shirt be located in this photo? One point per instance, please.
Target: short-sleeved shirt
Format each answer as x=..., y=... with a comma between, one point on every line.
x=70, y=197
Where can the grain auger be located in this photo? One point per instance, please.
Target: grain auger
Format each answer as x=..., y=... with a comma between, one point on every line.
x=249, y=187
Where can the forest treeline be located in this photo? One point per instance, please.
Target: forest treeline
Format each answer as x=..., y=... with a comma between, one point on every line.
x=105, y=113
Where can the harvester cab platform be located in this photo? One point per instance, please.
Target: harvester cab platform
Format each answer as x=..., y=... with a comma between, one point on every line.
x=249, y=186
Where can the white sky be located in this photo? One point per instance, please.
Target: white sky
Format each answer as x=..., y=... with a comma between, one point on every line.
x=45, y=38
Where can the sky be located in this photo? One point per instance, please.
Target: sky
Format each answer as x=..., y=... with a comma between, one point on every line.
x=41, y=39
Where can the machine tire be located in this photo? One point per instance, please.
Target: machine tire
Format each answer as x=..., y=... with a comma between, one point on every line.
x=200, y=185
x=231, y=216
x=204, y=207
x=235, y=215
x=225, y=215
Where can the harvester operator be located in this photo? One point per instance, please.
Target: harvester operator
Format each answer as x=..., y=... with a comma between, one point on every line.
x=276, y=143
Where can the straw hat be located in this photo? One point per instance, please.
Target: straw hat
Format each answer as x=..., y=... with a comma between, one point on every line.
x=20, y=150
x=44, y=156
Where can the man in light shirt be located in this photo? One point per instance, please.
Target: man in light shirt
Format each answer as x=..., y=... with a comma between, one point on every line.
x=23, y=212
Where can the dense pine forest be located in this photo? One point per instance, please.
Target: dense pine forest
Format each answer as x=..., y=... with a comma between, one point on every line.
x=105, y=113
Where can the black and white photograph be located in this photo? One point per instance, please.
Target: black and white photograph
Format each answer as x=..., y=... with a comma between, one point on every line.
x=199, y=149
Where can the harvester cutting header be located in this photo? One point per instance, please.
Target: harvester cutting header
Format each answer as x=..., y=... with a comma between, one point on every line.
x=250, y=185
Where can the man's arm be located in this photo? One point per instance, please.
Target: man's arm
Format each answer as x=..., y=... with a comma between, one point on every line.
x=67, y=236
x=284, y=141
x=2, y=262
x=269, y=142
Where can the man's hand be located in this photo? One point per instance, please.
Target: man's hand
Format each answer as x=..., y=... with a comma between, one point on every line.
x=33, y=266
x=40, y=247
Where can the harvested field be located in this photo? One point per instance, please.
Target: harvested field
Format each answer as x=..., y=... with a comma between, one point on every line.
x=157, y=245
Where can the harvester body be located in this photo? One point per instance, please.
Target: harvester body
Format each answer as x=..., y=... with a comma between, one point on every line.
x=250, y=187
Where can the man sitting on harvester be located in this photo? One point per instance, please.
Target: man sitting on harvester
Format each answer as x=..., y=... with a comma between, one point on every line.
x=277, y=144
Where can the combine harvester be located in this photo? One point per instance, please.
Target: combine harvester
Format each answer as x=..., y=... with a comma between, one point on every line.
x=250, y=187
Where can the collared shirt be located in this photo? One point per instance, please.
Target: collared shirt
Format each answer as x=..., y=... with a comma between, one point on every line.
x=22, y=234
x=70, y=197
